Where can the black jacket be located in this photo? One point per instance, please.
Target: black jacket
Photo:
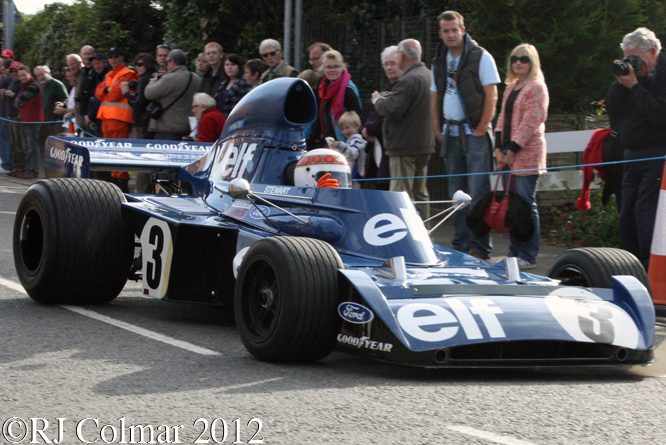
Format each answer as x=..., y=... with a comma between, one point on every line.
x=138, y=101
x=641, y=110
x=469, y=83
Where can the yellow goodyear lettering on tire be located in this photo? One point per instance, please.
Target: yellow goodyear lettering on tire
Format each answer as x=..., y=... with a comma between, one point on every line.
x=156, y=253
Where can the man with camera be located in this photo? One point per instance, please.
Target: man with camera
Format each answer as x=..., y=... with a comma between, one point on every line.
x=637, y=101
x=173, y=93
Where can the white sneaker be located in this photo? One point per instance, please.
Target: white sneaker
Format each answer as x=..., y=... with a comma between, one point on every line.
x=522, y=264
x=3, y=171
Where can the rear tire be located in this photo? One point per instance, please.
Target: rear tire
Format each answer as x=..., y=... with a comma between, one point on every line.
x=594, y=267
x=71, y=245
x=286, y=298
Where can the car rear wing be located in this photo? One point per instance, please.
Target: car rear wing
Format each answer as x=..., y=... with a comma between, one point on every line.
x=73, y=157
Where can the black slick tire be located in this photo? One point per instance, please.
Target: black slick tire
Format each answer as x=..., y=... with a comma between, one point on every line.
x=594, y=267
x=286, y=298
x=70, y=243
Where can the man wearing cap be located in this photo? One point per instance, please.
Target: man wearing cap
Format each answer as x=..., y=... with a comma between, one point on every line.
x=7, y=111
x=100, y=68
x=7, y=54
x=114, y=110
x=10, y=90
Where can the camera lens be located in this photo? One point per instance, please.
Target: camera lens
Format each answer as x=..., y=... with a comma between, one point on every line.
x=620, y=68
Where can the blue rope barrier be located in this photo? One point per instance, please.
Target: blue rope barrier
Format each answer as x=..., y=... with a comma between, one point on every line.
x=31, y=123
x=516, y=171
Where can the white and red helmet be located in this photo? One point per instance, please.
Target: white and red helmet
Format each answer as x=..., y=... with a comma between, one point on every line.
x=316, y=163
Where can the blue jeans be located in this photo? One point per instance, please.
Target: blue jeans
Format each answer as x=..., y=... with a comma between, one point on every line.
x=641, y=186
x=5, y=146
x=526, y=187
x=477, y=160
x=30, y=140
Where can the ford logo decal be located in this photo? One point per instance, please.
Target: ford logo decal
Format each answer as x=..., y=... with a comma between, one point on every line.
x=355, y=313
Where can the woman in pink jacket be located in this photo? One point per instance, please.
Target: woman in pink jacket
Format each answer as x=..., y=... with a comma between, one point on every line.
x=519, y=141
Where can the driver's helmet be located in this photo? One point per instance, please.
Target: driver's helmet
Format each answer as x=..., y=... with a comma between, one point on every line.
x=316, y=163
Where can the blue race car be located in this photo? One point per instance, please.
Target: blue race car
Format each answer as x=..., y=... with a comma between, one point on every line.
x=307, y=269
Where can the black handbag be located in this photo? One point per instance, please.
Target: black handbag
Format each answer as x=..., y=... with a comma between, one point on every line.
x=154, y=109
x=612, y=151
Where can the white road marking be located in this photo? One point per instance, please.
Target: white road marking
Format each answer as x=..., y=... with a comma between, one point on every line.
x=8, y=213
x=492, y=437
x=121, y=324
x=245, y=385
x=13, y=286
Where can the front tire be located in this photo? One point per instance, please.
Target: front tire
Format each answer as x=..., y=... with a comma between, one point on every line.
x=286, y=298
x=594, y=267
x=71, y=245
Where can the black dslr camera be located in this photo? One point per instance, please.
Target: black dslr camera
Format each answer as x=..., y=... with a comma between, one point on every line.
x=621, y=68
x=133, y=84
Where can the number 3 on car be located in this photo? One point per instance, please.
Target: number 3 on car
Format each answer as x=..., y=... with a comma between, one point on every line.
x=156, y=252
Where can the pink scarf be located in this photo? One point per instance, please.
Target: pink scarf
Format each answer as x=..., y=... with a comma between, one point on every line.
x=337, y=90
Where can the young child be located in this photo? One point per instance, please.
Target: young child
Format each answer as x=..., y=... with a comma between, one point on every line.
x=354, y=149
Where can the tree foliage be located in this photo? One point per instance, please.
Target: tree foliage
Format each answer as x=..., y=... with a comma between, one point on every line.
x=47, y=37
x=577, y=40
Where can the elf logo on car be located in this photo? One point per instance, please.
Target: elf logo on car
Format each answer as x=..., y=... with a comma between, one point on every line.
x=156, y=252
x=355, y=313
x=433, y=323
x=387, y=228
x=234, y=161
x=588, y=318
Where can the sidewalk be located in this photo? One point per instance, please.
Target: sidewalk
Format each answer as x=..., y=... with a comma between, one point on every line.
x=547, y=252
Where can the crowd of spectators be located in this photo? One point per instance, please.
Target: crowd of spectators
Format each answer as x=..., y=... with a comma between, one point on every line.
x=446, y=108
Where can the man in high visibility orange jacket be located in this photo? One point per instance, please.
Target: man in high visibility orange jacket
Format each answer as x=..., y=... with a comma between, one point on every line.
x=114, y=110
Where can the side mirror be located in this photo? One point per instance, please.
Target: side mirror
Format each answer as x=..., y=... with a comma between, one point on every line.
x=239, y=188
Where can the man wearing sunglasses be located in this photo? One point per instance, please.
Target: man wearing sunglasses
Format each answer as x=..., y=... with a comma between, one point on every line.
x=464, y=95
x=114, y=110
x=271, y=52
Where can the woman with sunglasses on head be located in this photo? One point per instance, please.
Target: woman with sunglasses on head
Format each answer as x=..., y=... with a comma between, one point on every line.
x=337, y=94
x=519, y=142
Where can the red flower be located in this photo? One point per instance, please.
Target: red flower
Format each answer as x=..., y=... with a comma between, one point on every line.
x=569, y=225
x=563, y=216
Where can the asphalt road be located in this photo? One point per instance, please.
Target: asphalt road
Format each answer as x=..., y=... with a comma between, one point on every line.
x=182, y=370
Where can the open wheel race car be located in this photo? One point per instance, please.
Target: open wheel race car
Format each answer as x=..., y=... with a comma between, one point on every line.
x=308, y=269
